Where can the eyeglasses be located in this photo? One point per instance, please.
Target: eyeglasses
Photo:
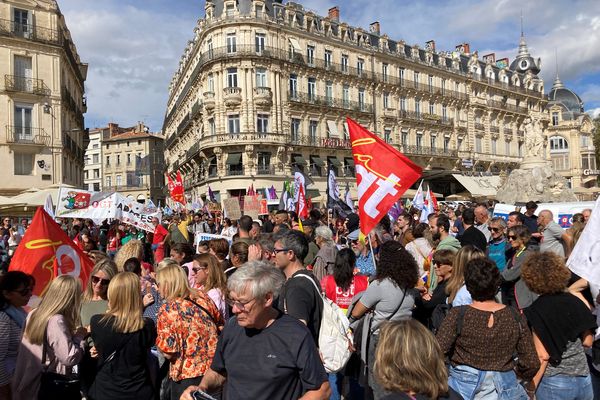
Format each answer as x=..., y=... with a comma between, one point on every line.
x=512, y=237
x=196, y=269
x=241, y=305
x=24, y=291
x=275, y=251
x=103, y=282
x=354, y=241
x=493, y=229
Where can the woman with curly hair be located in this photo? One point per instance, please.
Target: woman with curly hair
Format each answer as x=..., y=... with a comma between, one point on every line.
x=132, y=249
x=482, y=339
x=514, y=291
x=390, y=297
x=562, y=327
x=409, y=363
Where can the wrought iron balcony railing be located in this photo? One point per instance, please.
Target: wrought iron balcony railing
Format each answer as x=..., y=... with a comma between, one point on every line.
x=27, y=135
x=23, y=84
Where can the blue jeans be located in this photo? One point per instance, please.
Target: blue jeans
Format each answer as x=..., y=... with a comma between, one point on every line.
x=472, y=384
x=564, y=387
x=336, y=380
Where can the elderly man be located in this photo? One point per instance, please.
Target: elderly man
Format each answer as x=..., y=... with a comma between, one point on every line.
x=554, y=238
x=263, y=353
x=498, y=245
x=325, y=259
x=587, y=213
x=482, y=217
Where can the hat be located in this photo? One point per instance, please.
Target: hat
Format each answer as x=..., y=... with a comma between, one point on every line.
x=352, y=222
x=354, y=234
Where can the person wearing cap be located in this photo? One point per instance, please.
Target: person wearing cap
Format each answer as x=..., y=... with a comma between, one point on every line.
x=364, y=255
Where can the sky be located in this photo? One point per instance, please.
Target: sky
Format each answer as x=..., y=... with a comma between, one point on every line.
x=133, y=47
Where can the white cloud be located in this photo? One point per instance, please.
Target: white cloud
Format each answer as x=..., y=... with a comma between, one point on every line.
x=594, y=112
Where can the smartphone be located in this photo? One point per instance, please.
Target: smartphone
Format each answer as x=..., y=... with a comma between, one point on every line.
x=200, y=395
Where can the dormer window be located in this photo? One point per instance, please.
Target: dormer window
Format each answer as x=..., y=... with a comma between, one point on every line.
x=555, y=118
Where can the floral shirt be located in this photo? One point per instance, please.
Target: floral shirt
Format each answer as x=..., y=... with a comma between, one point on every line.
x=189, y=334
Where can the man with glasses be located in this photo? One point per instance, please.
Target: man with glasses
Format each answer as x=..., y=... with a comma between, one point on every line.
x=263, y=353
x=498, y=246
x=298, y=298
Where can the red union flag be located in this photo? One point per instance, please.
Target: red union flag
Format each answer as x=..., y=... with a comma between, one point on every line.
x=176, y=188
x=383, y=174
x=46, y=252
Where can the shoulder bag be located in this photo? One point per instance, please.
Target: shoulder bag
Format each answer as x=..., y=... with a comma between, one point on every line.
x=57, y=386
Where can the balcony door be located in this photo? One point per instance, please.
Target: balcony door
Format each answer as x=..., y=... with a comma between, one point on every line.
x=23, y=74
x=22, y=23
x=22, y=128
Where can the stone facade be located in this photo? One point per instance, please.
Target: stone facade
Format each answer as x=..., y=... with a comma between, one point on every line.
x=263, y=88
x=42, y=135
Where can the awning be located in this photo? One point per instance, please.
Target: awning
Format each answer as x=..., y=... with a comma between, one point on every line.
x=295, y=44
x=349, y=161
x=234, y=158
x=317, y=161
x=332, y=128
x=298, y=159
x=479, y=186
x=334, y=161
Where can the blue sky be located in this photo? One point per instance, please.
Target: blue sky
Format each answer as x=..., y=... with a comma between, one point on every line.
x=134, y=46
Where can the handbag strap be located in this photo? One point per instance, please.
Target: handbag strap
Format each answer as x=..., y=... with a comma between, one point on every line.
x=203, y=309
x=112, y=355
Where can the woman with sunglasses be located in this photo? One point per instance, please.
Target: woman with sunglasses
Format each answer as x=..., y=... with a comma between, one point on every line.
x=211, y=279
x=498, y=245
x=515, y=292
x=94, y=297
x=188, y=327
x=15, y=291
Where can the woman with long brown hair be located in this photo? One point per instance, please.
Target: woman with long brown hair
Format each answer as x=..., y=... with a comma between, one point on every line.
x=457, y=292
x=210, y=278
x=122, y=339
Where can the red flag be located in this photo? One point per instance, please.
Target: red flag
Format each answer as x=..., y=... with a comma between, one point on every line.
x=302, y=209
x=46, y=252
x=176, y=188
x=383, y=174
x=433, y=200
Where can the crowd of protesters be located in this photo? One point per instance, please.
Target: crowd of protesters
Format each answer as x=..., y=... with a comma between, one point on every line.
x=465, y=305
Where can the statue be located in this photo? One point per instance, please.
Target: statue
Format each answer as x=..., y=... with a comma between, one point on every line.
x=534, y=138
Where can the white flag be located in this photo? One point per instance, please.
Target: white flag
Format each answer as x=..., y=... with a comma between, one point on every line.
x=49, y=206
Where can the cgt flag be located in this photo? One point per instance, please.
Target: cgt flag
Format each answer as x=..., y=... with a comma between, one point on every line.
x=176, y=188
x=46, y=252
x=383, y=174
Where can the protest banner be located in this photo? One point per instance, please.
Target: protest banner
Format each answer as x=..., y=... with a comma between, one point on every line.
x=252, y=206
x=201, y=237
x=502, y=210
x=99, y=206
x=232, y=208
x=264, y=207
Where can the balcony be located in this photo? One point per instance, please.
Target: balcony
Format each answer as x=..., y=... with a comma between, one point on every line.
x=427, y=151
x=426, y=118
x=390, y=113
x=479, y=126
x=263, y=97
x=232, y=96
x=14, y=83
x=494, y=129
x=328, y=102
x=209, y=101
x=30, y=32
x=265, y=170
x=27, y=136
x=508, y=132
x=242, y=138
x=234, y=170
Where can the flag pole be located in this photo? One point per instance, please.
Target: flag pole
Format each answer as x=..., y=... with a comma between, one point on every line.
x=372, y=253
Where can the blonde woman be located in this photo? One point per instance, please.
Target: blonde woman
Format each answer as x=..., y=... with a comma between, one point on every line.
x=409, y=363
x=94, y=298
x=188, y=327
x=55, y=325
x=457, y=292
x=122, y=339
x=210, y=278
x=132, y=249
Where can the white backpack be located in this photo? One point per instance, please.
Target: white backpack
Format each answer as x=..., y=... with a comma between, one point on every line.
x=333, y=335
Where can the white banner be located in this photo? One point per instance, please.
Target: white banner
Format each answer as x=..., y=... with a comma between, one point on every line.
x=98, y=206
x=201, y=237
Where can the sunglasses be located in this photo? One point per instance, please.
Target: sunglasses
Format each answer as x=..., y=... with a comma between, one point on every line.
x=494, y=229
x=103, y=282
x=512, y=237
x=196, y=269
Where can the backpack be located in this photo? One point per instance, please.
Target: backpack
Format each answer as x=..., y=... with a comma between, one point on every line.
x=333, y=335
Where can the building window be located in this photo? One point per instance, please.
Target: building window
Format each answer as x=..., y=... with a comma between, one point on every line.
x=386, y=100
x=361, y=99
x=446, y=144
x=520, y=149
x=433, y=141
x=443, y=86
x=328, y=58
x=231, y=43
x=416, y=79
x=233, y=123
x=401, y=72
x=312, y=89
x=418, y=107
x=108, y=181
x=22, y=128
x=108, y=161
x=430, y=83
x=259, y=41
x=344, y=63
x=554, y=118
x=128, y=159
x=211, y=83
x=459, y=143
x=96, y=187
x=22, y=24
x=558, y=144
x=212, y=129
x=346, y=96
x=387, y=135
x=560, y=161
x=96, y=158
x=310, y=55
x=384, y=72
x=96, y=173
x=232, y=77
x=444, y=113
x=118, y=159
x=295, y=129
x=404, y=137
x=494, y=147
x=262, y=123
x=419, y=141
x=431, y=108
x=264, y=163
x=478, y=144
x=119, y=180
x=293, y=86
x=507, y=147
x=588, y=161
x=209, y=48
x=261, y=77
x=329, y=92
x=313, y=127
x=360, y=66
x=23, y=163
x=229, y=10
x=403, y=103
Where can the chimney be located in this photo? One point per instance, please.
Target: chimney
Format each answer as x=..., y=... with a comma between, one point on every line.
x=140, y=127
x=113, y=128
x=374, y=27
x=334, y=13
